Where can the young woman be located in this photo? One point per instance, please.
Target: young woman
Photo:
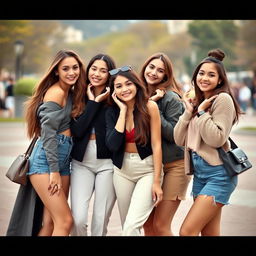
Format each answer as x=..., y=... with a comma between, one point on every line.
x=56, y=99
x=204, y=126
x=92, y=167
x=134, y=137
x=157, y=73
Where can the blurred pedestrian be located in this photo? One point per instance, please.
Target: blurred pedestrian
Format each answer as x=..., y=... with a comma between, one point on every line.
x=134, y=137
x=244, y=96
x=2, y=97
x=253, y=93
x=157, y=73
x=92, y=167
x=204, y=126
x=10, y=104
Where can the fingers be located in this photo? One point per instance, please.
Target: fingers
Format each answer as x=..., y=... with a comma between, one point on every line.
x=107, y=89
x=157, y=199
x=54, y=188
x=213, y=98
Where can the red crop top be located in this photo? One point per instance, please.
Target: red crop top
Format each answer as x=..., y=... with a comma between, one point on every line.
x=130, y=136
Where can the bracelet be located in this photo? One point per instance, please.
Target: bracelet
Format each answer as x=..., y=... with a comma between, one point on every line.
x=200, y=113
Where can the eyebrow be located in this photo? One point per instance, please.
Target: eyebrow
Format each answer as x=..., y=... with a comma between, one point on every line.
x=211, y=72
x=67, y=66
x=124, y=82
x=100, y=68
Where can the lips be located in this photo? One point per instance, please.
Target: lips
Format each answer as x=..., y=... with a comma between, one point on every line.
x=126, y=94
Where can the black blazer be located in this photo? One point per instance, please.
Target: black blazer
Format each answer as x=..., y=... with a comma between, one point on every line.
x=115, y=140
x=81, y=127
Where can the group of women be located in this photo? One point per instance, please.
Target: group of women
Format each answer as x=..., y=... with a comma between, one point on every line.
x=131, y=138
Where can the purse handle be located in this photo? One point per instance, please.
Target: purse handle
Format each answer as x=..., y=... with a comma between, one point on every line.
x=31, y=146
x=233, y=144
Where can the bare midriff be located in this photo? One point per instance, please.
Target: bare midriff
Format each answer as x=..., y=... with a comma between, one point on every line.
x=66, y=132
x=131, y=148
x=92, y=136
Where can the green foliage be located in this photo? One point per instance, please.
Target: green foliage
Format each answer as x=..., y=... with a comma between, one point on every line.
x=210, y=34
x=25, y=86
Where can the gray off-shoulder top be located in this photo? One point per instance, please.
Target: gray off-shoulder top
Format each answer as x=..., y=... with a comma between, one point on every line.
x=53, y=119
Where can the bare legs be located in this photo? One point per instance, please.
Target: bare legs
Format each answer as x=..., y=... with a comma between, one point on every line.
x=160, y=219
x=203, y=217
x=57, y=218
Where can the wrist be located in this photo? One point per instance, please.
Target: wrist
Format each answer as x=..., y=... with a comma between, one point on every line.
x=200, y=113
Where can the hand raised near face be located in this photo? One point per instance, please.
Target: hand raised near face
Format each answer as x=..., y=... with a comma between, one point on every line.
x=119, y=103
x=189, y=101
x=90, y=92
x=207, y=103
x=103, y=95
x=159, y=93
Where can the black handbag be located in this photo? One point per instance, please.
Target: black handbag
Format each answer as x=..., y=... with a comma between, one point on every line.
x=235, y=160
x=20, y=166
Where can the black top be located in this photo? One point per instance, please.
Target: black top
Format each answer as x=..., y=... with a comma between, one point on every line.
x=9, y=90
x=81, y=127
x=115, y=140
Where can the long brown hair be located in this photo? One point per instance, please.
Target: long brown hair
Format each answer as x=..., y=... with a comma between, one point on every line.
x=49, y=79
x=141, y=113
x=169, y=82
x=215, y=56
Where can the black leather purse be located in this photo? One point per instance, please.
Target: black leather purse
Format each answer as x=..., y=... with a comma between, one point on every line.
x=235, y=161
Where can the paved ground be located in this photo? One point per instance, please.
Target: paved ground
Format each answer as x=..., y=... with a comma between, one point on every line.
x=238, y=218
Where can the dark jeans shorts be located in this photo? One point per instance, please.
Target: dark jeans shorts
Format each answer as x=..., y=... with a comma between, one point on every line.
x=212, y=180
x=38, y=161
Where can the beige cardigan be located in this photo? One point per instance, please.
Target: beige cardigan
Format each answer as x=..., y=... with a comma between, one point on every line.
x=214, y=129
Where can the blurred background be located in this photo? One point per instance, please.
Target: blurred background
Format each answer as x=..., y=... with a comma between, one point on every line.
x=28, y=46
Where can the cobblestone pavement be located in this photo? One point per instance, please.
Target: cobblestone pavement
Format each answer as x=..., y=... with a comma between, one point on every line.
x=238, y=218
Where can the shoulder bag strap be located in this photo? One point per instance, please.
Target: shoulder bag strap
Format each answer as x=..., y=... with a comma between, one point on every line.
x=31, y=146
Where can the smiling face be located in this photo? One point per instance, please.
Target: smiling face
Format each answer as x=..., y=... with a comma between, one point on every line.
x=98, y=73
x=154, y=72
x=124, y=88
x=207, y=78
x=68, y=71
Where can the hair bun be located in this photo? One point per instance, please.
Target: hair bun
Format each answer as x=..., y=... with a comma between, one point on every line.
x=217, y=53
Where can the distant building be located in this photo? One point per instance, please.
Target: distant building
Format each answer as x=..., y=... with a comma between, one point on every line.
x=177, y=26
x=73, y=35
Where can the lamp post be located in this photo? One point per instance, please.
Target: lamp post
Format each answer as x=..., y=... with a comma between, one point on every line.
x=18, y=48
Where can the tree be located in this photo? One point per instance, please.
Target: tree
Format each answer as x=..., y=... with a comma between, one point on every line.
x=210, y=34
x=10, y=31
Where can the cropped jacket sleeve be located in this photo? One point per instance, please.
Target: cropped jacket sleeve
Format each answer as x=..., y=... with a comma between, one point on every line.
x=171, y=108
x=50, y=116
x=114, y=140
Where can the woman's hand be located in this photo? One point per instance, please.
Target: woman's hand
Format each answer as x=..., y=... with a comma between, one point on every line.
x=90, y=93
x=55, y=183
x=103, y=95
x=120, y=104
x=206, y=103
x=189, y=101
x=157, y=193
x=159, y=93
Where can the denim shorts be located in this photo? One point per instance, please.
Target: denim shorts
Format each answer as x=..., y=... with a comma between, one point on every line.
x=38, y=161
x=212, y=180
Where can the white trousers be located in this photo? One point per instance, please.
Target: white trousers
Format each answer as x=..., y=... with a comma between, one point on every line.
x=91, y=175
x=133, y=186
